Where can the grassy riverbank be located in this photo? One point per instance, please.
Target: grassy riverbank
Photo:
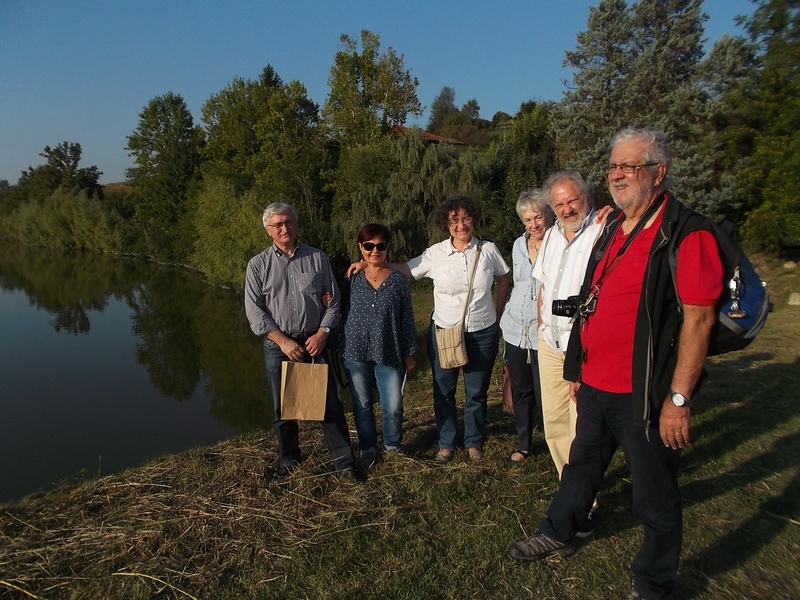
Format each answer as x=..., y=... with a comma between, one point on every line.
x=211, y=523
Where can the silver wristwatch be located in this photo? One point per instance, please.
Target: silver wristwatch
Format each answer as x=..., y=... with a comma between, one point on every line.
x=327, y=330
x=679, y=399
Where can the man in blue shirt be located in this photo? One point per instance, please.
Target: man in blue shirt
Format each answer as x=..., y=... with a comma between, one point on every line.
x=284, y=288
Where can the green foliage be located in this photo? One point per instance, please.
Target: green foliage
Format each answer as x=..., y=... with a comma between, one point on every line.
x=526, y=157
x=442, y=106
x=637, y=65
x=767, y=122
x=464, y=125
x=369, y=92
x=195, y=195
x=398, y=182
x=263, y=146
x=292, y=155
x=771, y=173
x=500, y=117
x=60, y=170
x=65, y=220
x=230, y=230
x=165, y=146
x=230, y=118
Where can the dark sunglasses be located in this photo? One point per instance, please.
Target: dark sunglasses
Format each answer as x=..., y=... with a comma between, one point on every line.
x=370, y=246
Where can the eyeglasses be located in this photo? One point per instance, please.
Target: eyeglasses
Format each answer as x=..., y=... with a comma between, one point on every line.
x=628, y=169
x=286, y=224
x=464, y=221
x=370, y=246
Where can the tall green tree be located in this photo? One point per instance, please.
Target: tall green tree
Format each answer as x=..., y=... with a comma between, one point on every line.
x=263, y=145
x=770, y=111
x=443, y=105
x=596, y=102
x=166, y=151
x=638, y=65
x=229, y=119
x=722, y=75
x=370, y=92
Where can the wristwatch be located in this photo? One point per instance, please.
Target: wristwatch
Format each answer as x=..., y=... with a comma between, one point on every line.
x=679, y=399
x=327, y=330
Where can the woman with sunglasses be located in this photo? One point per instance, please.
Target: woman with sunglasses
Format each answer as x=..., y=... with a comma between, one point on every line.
x=449, y=264
x=378, y=344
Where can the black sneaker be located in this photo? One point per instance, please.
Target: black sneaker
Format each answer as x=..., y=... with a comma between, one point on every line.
x=539, y=546
x=350, y=475
x=285, y=469
x=586, y=529
x=367, y=461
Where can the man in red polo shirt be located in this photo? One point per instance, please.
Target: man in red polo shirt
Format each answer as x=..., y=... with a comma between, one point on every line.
x=636, y=356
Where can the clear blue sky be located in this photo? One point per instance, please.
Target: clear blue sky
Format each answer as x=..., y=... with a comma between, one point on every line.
x=83, y=70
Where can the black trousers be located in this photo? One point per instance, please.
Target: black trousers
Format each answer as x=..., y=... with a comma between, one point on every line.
x=604, y=420
x=523, y=368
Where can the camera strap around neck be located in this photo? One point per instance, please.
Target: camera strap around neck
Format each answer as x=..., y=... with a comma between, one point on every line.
x=609, y=268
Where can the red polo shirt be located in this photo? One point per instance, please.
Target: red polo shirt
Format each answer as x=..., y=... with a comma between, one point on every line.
x=607, y=336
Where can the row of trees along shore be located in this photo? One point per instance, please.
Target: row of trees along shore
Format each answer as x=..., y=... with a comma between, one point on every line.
x=196, y=191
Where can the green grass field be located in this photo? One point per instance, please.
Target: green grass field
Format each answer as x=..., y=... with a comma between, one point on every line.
x=211, y=524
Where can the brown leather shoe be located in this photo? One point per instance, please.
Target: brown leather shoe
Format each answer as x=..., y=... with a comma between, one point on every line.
x=445, y=455
x=519, y=456
x=476, y=454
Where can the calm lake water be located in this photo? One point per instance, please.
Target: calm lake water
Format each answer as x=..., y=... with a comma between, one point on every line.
x=108, y=362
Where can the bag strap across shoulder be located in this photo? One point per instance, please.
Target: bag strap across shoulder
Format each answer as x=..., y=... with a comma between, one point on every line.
x=471, y=279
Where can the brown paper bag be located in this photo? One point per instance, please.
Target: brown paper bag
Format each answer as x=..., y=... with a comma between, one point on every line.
x=304, y=388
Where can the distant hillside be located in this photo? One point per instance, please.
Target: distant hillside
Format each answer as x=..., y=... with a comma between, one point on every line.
x=120, y=187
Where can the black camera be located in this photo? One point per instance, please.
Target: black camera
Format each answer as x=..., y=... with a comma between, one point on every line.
x=574, y=305
x=566, y=307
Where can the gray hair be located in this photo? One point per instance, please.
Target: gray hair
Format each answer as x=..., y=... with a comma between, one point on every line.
x=584, y=185
x=277, y=208
x=657, y=148
x=535, y=200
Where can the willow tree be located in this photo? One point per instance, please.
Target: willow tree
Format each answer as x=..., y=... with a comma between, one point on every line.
x=596, y=103
x=398, y=182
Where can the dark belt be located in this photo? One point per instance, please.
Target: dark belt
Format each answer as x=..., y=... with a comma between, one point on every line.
x=300, y=338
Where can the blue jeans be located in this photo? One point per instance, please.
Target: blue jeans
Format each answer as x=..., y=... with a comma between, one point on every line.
x=334, y=425
x=481, y=352
x=364, y=376
x=605, y=419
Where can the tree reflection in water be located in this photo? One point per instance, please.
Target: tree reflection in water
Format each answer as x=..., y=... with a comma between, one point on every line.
x=187, y=331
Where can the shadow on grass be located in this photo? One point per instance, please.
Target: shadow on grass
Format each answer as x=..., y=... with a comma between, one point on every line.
x=747, y=406
x=734, y=550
